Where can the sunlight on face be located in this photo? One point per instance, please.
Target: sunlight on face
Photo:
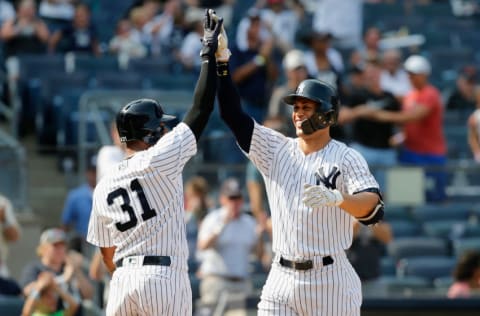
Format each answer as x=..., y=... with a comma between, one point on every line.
x=302, y=110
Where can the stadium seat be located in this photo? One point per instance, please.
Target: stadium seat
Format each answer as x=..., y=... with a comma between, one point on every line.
x=118, y=80
x=462, y=245
x=388, y=266
x=404, y=228
x=394, y=285
x=444, y=228
x=450, y=211
x=95, y=65
x=408, y=247
x=33, y=66
x=426, y=267
x=397, y=212
x=11, y=305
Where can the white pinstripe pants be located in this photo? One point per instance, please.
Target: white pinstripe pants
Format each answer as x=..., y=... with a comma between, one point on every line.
x=333, y=290
x=150, y=290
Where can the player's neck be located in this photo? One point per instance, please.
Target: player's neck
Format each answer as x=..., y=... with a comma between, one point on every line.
x=313, y=143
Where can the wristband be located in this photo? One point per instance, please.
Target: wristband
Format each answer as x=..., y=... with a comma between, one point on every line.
x=259, y=60
x=60, y=279
x=222, y=69
x=34, y=294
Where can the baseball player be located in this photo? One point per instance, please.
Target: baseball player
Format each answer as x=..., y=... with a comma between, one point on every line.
x=138, y=214
x=316, y=186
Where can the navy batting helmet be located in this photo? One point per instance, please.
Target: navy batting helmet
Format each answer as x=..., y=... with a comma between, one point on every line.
x=141, y=120
x=326, y=99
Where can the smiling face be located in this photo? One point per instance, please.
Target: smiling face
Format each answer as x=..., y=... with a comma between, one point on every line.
x=303, y=109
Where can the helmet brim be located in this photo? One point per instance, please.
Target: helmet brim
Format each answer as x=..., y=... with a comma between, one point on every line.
x=291, y=98
x=167, y=118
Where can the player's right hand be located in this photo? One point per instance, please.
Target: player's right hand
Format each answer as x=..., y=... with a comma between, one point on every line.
x=211, y=29
x=223, y=53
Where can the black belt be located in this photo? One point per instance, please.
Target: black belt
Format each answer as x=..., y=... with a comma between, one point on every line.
x=304, y=265
x=147, y=261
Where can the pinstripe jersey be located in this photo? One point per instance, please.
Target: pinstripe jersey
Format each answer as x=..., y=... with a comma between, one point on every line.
x=300, y=232
x=138, y=207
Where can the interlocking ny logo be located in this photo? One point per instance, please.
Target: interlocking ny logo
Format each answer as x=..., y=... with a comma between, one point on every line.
x=329, y=180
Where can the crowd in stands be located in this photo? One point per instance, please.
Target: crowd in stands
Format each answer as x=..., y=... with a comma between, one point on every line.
x=400, y=98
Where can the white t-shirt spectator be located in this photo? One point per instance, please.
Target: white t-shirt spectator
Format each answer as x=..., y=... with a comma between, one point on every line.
x=7, y=12
x=59, y=9
x=398, y=83
x=191, y=45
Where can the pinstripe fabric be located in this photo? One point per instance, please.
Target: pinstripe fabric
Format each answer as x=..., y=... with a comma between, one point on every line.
x=302, y=233
x=138, y=208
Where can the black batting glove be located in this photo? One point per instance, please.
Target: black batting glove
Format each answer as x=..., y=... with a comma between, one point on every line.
x=211, y=30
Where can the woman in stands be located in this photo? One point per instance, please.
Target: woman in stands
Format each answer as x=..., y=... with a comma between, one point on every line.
x=466, y=276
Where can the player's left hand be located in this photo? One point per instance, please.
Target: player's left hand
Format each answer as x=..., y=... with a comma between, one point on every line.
x=320, y=195
x=212, y=27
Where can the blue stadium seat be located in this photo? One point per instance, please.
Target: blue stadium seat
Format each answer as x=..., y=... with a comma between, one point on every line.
x=450, y=211
x=397, y=212
x=388, y=266
x=408, y=247
x=403, y=285
x=426, y=267
x=118, y=80
x=462, y=245
x=33, y=66
x=11, y=305
x=404, y=228
x=444, y=228
x=95, y=65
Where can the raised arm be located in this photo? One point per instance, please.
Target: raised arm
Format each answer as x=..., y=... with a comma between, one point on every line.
x=231, y=111
x=204, y=95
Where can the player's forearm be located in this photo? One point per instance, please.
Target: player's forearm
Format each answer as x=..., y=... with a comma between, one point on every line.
x=203, y=99
x=231, y=110
x=359, y=205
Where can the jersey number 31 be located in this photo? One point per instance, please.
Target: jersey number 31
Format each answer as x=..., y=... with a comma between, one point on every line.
x=122, y=193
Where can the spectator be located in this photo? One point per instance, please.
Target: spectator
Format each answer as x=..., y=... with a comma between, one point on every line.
x=343, y=18
x=42, y=300
x=67, y=267
x=158, y=30
x=282, y=23
x=369, y=51
x=191, y=44
x=355, y=80
x=197, y=205
x=77, y=208
x=7, y=12
x=126, y=43
x=110, y=155
x=367, y=249
x=138, y=18
x=463, y=96
x=474, y=130
x=422, y=118
x=466, y=276
x=394, y=78
x=253, y=68
x=369, y=137
x=57, y=13
x=223, y=8
x=80, y=36
x=323, y=62
x=10, y=232
x=227, y=236
x=26, y=34
x=295, y=72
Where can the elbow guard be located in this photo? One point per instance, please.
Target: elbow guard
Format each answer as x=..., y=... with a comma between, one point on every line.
x=375, y=216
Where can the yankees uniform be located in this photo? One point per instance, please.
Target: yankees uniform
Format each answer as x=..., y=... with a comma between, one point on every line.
x=310, y=274
x=138, y=211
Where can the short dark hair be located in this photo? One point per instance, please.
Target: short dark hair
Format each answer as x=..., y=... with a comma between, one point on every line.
x=466, y=266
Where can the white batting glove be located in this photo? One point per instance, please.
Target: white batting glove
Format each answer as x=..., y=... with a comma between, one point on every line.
x=223, y=53
x=320, y=195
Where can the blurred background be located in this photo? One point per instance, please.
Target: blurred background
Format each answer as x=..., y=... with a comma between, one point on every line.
x=67, y=67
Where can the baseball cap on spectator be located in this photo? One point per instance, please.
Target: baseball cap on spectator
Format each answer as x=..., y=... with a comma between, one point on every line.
x=53, y=236
x=418, y=65
x=294, y=59
x=253, y=13
x=231, y=188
